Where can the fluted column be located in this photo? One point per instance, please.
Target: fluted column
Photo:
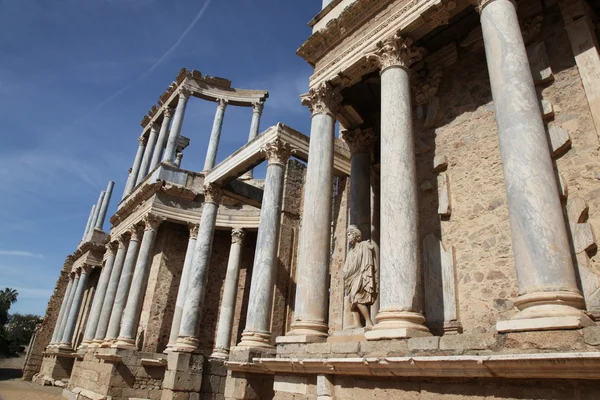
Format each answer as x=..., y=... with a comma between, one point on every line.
x=89, y=223
x=67, y=337
x=548, y=294
x=184, y=95
x=215, y=136
x=147, y=158
x=187, y=339
x=96, y=213
x=230, y=291
x=258, y=321
x=400, y=314
x=312, y=290
x=162, y=138
x=116, y=314
x=111, y=291
x=131, y=316
x=183, y=285
x=136, y=166
x=104, y=206
x=257, y=110
x=56, y=334
x=96, y=308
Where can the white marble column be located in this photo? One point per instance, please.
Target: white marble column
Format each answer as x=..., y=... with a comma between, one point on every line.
x=230, y=292
x=548, y=294
x=215, y=136
x=257, y=332
x=312, y=290
x=136, y=167
x=400, y=314
x=63, y=323
x=96, y=308
x=147, y=158
x=116, y=314
x=67, y=337
x=187, y=339
x=89, y=223
x=375, y=227
x=96, y=213
x=162, y=138
x=56, y=334
x=183, y=284
x=111, y=291
x=169, y=156
x=139, y=283
x=104, y=206
x=257, y=110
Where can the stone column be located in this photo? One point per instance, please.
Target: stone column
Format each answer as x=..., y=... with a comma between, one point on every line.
x=360, y=143
x=96, y=308
x=187, y=339
x=116, y=314
x=260, y=306
x=111, y=292
x=89, y=223
x=56, y=334
x=375, y=223
x=162, y=138
x=136, y=167
x=215, y=136
x=400, y=313
x=178, y=158
x=96, y=212
x=131, y=316
x=257, y=110
x=67, y=337
x=184, y=95
x=182, y=291
x=548, y=294
x=312, y=290
x=63, y=323
x=227, y=312
x=147, y=158
x=105, y=204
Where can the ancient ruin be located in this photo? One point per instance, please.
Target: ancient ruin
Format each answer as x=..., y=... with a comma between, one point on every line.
x=456, y=210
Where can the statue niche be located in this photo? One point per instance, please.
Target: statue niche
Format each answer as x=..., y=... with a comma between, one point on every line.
x=359, y=277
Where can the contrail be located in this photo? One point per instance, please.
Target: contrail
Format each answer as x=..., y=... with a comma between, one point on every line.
x=143, y=75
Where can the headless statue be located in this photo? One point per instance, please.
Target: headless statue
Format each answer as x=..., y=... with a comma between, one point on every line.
x=359, y=277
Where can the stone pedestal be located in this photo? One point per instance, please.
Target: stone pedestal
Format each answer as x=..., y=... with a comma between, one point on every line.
x=183, y=377
x=169, y=156
x=215, y=136
x=162, y=138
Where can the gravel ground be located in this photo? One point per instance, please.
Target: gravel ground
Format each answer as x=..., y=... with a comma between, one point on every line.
x=13, y=388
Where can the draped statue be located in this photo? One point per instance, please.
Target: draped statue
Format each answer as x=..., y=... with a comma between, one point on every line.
x=360, y=277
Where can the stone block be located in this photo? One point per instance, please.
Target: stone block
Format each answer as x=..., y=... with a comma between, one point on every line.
x=424, y=343
x=591, y=335
x=444, y=207
x=345, y=347
x=318, y=348
x=481, y=341
x=567, y=340
x=182, y=381
x=583, y=238
x=538, y=61
x=543, y=324
x=383, y=348
x=440, y=163
x=547, y=109
x=324, y=385
x=244, y=354
x=290, y=384
x=178, y=361
x=560, y=140
x=287, y=349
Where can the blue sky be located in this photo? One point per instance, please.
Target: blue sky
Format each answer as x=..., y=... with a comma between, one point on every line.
x=76, y=78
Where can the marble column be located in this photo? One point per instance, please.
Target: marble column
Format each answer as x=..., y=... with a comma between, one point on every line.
x=89, y=223
x=548, y=294
x=63, y=323
x=111, y=291
x=56, y=334
x=257, y=110
x=116, y=314
x=312, y=290
x=260, y=306
x=136, y=167
x=139, y=282
x=67, y=337
x=182, y=291
x=169, y=156
x=96, y=308
x=400, y=314
x=104, y=206
x=148, y=153
x=162, y=138
x=96, y=213
x=215, y=136
x=230, y=292
x=375, y=224
x=187, y=339
x=360, y=143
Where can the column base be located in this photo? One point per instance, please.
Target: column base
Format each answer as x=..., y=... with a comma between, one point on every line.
x=125, y=344
x=96, y=343
x=185, y=345
x=398, y=325
x=256, y=340
x=85, y=344
x=107, y=343
x=308, y=330
x=65, y=347
x=220, y=353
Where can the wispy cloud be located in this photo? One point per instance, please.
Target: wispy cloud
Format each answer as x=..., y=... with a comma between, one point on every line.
x=18, y=253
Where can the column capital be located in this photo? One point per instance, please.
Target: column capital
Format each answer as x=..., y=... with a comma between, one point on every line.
x=168, y=112
x=193, y=230
x=480, y=4
x=238, y=235
x=136, y=233
x=360, y=141
x=72, y=274
x=277, y=151
x=111, y=247
x=322, y=99
x=178, y=157
x=153, y=126
x=142, y=140
x=258, y=107
x=396, y=51
x=152, y=222
x=222, y=103
x=122, y=241
x=86, y=268
x=184, y=93
x=212, y=193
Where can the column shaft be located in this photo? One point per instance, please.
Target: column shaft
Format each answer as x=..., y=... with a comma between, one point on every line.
x=215, y=136
x=105, y=204
x=56, y=335
x=89, y=223
x=131, y=182
x=148, y=152
x=96, y=213
x=67, y=337
x=162, y=138
x=63, y=323
x=169, y=156
x=254, y=129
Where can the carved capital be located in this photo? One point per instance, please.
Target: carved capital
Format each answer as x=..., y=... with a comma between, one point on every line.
x=427, y=87
x=184, y=93
x=136, y=233
x=153, y=126
x=323, y=99
x=142, y=140
x=168, y=113
x=152, y=222
x=193, y=230
x=111, y=248
x=396, y=51
x=86, y=269
x=222, y=103
x=258, y=107
x=212, y=193
x=360, y=141
x=238, y=235
x=480, y=4
x=122, y=241
x=277, y=151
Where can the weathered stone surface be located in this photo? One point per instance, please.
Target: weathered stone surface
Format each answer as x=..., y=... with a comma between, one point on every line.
x=464, y=342
x=559, y=140
x=424, y=343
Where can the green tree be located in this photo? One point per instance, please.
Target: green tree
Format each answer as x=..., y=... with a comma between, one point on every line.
x=8, y=297
x=18, y=331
